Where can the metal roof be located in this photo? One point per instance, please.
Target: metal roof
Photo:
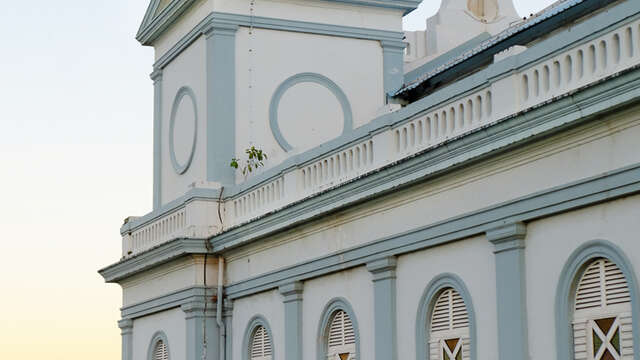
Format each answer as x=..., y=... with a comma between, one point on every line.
x=512, y=30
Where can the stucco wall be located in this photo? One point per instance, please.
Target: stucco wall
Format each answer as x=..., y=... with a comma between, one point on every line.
x=186, y=70
x=171, y=322
x=268, y=305
x=551, y=241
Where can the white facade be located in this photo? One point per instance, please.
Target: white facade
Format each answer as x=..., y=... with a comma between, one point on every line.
x=439, y=202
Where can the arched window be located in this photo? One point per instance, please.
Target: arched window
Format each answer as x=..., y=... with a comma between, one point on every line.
x=342, y=340
x=260, y=344
x=159, y=347
x=449, y=327
x=602, y=326
x=160, y=351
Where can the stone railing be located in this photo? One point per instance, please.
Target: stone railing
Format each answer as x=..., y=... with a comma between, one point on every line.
x=542, y=81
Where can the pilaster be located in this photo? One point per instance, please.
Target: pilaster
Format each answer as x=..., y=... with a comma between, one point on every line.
x=393, y=62
x=384, y=305
x=292, y=294
x=202, y=331
x=156, y=76
x=126, y=330
x=221, y=101
x=509, y=245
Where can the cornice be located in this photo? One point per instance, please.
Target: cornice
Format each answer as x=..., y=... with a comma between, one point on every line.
x=151, y=258
x=152, y=27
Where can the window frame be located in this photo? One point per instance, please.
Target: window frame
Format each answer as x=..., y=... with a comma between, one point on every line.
x=425, y=309
x=158, y=336
x=567, y=285
x=330, y=309
x=255, y=322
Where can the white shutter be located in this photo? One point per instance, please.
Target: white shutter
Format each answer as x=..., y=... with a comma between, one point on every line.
x=602, y=284
x=449, y=312
x=602, y=292
x=160, y=352
x=341, y=337
x=260, y=344
x=449, y=320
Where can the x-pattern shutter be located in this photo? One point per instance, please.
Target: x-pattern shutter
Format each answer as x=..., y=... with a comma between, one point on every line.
x=160, y=352
x=449, y=332
x=341, y=337
x=602, y=314
x=260, y=344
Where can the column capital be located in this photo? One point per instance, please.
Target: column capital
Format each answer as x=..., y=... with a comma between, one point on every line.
x=220, y=28
x=126, y=325
x=383, y=268
x=393, y=45
x=291, y=291
x=193, y=309
x=507, y=237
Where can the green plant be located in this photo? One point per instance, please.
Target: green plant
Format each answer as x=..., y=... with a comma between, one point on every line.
x=255, y=159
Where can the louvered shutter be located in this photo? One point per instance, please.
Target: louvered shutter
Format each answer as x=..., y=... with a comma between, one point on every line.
x=342, y=337
x=160, y=352
x=260, y=344
x=449, y=320
x=602, y=293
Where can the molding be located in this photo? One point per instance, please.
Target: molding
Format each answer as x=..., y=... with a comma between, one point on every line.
x=511, y=287
x=153, y=257
x=307, y=78
x=384, y=305
x=221, y=102
x=155, y=25
x=261, y=22
x=507, y=237
x=505, y=135
x=182, y=92
x=567, y=283
x=257, y=320
x=332, y=306
x=292, y=293
x=183, y=298
x=126, y=326
x=159, y=335
x=605, y=187
x=423, y=318
x=156, y=76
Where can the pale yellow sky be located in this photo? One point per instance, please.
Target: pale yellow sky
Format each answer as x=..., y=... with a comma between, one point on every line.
x=75, y=160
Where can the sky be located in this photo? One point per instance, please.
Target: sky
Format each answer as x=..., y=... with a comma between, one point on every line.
x=76, y=159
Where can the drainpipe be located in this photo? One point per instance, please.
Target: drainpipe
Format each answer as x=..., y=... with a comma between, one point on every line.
x=221, y=327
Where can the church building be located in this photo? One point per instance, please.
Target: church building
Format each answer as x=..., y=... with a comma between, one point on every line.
x=467, y=192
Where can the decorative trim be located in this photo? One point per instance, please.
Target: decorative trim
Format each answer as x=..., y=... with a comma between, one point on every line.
x=256, y=321
x=273, y=24
x=566, y=284
x=292, y=294
x=156, y=76
x=171, y=300
x=507, y=237
x=153, y=257
x=332, y=306
x=159, y=335
x=423, y=317
x=307, y=78
x=153, y=26
x=126, y=327
x=384, y=305
x=579, y=194
x=182, y=92
x=508, y=241
x=221, y=100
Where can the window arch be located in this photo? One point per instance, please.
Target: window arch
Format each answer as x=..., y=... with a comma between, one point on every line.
x=445, y=327
x=159, y=347
x=596, y=301
x=258, y=343
x=602, y=312
x=339, y=338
